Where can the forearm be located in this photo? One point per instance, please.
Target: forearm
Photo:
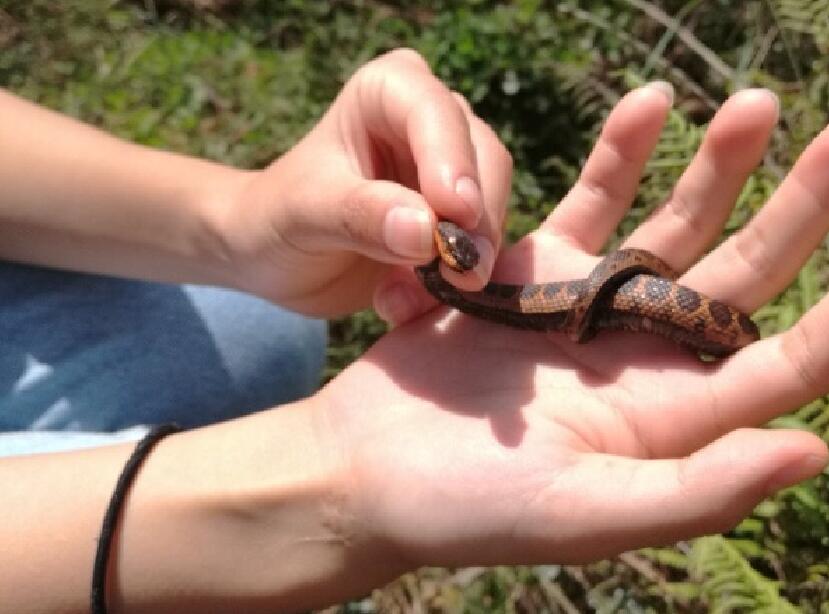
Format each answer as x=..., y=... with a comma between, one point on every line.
x=245, y=516
x=75, y=197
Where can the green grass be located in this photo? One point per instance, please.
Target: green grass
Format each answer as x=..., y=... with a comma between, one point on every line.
x=241, y=85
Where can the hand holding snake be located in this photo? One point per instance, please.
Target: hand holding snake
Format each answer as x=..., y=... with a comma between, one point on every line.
x=629, y=289
x=571, y=452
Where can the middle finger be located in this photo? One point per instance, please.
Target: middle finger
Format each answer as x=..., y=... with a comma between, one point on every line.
x=693, y=216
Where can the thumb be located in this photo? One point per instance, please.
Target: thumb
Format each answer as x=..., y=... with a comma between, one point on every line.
x=718, y=485
x=649, y=502
x=382, y=220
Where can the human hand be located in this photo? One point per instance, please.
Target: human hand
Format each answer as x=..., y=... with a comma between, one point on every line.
x=472, y=443
x=338, y=222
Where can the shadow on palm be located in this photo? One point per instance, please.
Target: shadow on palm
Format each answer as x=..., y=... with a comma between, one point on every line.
x=492, y=372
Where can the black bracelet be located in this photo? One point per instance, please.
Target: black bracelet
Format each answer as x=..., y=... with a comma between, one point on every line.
x=99, y=570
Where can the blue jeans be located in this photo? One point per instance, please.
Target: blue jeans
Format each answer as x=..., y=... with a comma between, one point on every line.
x=87, y=359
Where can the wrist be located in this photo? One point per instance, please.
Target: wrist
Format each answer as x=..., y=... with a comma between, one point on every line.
x=240, y=231
x=257, y=511
x=217, y=200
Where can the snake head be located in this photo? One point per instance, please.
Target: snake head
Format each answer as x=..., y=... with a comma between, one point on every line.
x=456, y=247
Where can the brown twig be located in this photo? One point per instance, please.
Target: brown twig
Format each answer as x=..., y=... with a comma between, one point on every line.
x=687, y=37
x=676, y=74
x=554, y=593
x=643, y=566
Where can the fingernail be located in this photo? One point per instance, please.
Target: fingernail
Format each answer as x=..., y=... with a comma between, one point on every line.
x=794, y=472
x=478, y=277
x=467, y=188
x=396, y=304
x=408, y=232
x=762, y=91
x=665, y=88
x=774, y=97
x=486, y=258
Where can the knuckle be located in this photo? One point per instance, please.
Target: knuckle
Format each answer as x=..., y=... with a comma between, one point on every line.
x=463, y=102
x=692, y=483
x=796, y=347
x=370, y=75
x=501, y=155
x=407, y=55
x=604, y=187
x=355, y=218
x=751, y=248
x=601, y=190
x=678, y=206
x=506, y=156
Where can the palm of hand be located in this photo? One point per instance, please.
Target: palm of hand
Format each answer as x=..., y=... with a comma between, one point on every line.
x=507, y=416
x=501, y=446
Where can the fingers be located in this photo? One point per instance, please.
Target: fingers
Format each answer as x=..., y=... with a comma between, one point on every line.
x=759, y=261
x=419, y=118
x=693, y=216
x=662, y=501
x=496, y=180
x=775, y=375
x=400, y=297
x=463, y=170
x=379, y=219
x=382, y=220
x=762, y=381
x=461, y=167
x=607, y=185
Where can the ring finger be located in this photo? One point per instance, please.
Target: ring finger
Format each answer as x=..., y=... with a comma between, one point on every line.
x=755, y=264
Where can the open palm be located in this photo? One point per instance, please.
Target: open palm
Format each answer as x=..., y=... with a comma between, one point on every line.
x=505, y=446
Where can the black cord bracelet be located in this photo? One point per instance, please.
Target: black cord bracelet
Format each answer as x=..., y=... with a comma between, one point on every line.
x=99, y=570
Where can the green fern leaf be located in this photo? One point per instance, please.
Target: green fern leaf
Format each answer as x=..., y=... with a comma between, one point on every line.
x=729, y=583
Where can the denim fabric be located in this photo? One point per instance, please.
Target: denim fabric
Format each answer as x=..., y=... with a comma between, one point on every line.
x=84, y=357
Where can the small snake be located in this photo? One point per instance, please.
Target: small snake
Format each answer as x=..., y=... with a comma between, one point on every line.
x=630, y=289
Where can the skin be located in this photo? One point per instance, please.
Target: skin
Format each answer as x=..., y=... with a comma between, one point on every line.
x=452, y=441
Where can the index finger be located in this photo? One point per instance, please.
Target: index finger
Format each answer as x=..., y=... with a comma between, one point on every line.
x=404, y=105
x=495, y=171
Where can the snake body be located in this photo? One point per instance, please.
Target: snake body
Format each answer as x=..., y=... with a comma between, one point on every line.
x=630, y=289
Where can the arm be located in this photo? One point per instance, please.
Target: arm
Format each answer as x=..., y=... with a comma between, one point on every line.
x=75, y=197
x=331, y=226
x=458, y=442
x=209, y=524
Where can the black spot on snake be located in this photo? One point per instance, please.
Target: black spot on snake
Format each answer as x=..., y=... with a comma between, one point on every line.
x=507, y=291
x=720, y=312
x=687, y=299
x=747, y=324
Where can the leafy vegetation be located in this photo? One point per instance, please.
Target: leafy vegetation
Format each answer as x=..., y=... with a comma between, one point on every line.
x=240, y=81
